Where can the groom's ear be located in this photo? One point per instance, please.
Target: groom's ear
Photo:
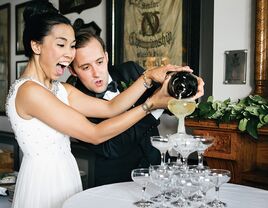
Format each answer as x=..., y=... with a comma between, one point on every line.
x=107, y=57
x=72, y=71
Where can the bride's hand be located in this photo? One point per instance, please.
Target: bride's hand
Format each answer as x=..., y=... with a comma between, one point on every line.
x=200, y=88
x=159, y=74
x=160, y=97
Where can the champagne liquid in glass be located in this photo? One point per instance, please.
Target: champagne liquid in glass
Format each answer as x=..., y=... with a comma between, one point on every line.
x=181, y=108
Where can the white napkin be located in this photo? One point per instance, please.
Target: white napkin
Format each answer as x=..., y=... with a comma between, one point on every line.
x=3, y=191
x=8, y=179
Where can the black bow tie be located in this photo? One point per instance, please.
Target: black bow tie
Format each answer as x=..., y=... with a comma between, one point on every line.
x=112, y=86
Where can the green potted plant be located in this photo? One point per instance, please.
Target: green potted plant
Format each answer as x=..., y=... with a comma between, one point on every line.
x=250, y=112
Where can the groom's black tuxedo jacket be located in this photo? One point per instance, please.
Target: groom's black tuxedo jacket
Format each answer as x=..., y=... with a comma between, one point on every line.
x=115, y=158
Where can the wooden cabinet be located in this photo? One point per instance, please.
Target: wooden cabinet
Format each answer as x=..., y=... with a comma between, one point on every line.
x=10, y=158
x=245, y=157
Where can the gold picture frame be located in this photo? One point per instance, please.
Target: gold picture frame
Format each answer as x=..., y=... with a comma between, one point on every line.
x=261, y=49
x=4, y=54
x=20, y=67
x=19, y=28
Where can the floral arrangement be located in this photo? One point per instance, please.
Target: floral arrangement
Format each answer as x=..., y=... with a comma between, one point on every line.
x=126, y=85
x=251, y=112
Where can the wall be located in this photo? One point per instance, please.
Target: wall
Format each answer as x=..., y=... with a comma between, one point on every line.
x=233, y=30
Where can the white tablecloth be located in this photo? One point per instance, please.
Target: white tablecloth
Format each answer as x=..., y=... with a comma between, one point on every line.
x=4, y=202
x=122, y=195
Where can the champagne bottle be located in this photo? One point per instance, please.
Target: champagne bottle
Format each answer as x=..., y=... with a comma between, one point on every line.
x=182, y=85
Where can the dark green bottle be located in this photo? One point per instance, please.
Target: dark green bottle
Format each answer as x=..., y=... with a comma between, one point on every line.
x=182, y=85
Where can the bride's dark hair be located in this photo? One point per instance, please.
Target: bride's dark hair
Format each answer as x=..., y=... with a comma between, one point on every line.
x=39, y=18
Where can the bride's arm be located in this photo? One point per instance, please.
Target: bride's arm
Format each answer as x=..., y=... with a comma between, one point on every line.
x=34, y=101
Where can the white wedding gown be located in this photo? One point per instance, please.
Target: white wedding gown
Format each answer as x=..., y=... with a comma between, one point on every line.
x=49, y=173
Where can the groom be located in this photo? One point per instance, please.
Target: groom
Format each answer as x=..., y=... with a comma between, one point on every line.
x=114, y=159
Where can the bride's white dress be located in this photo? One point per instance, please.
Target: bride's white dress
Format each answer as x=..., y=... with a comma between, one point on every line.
x=49, y=173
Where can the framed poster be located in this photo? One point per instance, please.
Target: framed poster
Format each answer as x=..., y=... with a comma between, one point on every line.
x=4, y=54
x=154, y=32
x=19, y=28
x=20, y=66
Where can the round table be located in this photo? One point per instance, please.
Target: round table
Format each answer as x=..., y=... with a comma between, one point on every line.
x=122, y=195
x=4, y=202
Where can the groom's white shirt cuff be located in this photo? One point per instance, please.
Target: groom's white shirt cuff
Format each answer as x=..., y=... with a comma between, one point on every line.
x=157, y=113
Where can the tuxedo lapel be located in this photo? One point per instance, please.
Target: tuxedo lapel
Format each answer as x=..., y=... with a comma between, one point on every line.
x=116, y=77
x=83, y=89
x=126, y=72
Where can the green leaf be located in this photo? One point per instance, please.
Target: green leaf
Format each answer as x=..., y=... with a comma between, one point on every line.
x=210, y=99
x=130, y=82
x=227, y=117
x=242, y=126
x=124, y=85
x=227, y=101
x=263, y=119
x=252, y=128
x=258, y=99
x=204, y=108
x=251, y=112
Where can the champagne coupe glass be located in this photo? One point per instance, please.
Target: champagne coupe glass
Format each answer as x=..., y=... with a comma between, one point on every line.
x=205, y=185
x=141, y=176
x=177, y=183
x=189, y=188
x=184, y=145
x=204, y=142
x=219, y=177
x=161, y=176
x=181, y=108
x=202, y=178
x=162, y=144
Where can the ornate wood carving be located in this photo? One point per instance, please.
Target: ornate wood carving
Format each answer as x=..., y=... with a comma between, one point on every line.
x=261, y=50
x=222, y=143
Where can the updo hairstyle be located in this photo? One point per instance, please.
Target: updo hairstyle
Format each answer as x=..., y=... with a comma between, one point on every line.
x=39, y=18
